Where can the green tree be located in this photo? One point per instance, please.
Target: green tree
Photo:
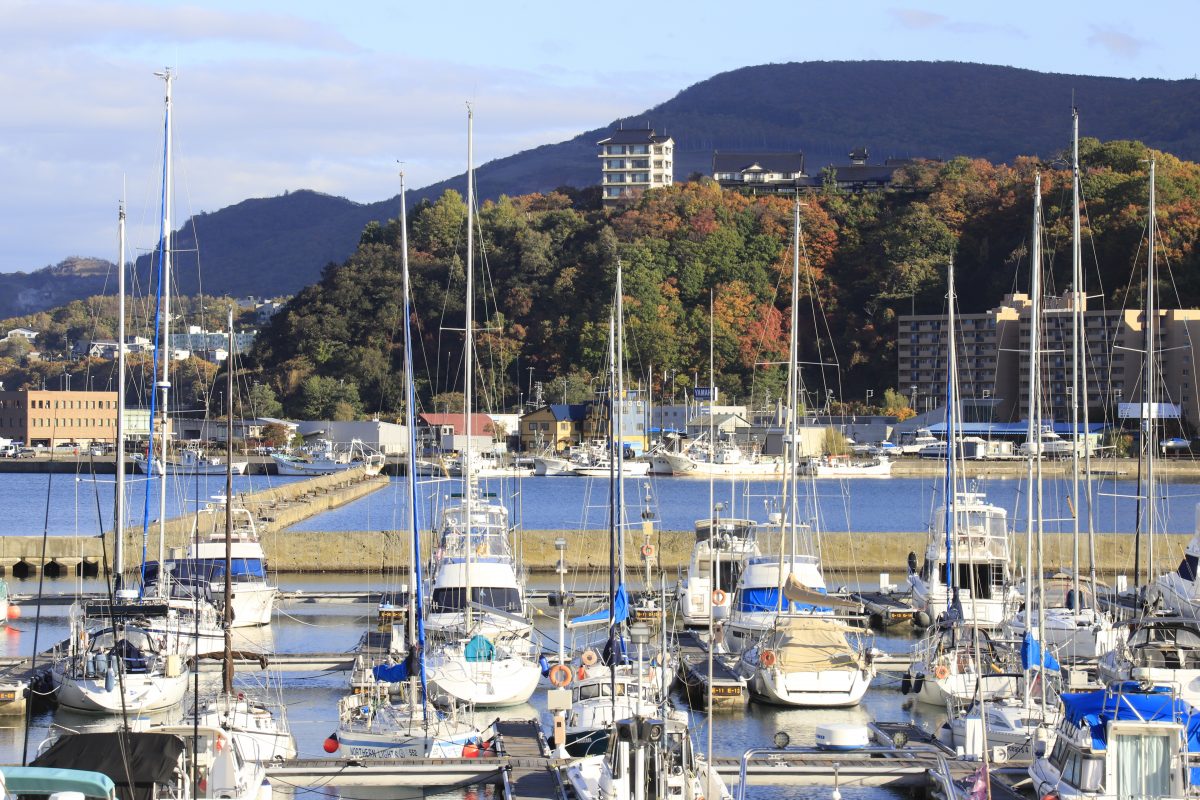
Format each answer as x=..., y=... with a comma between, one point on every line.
x=322, y=397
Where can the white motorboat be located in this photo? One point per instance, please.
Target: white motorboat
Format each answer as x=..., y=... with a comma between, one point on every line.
x=846, y=467
x=721, y=549
x=253, y=595
x=594, y=710
x=982, y=560
x=702, y=458
x=323, y=457
x=1048, y=444
x=913, y=443
x=1179, y=591
x=1073, y=627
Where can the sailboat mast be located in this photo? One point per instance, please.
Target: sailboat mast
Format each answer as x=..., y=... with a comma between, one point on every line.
x=416, y=623
x=227, y=665
x=788, y=521
x=618, y=454
x=1149, y=408
x=614, y=526
x=164, y=343
x=1033, y=436
x=1036, y=415
x=951, y=489
x=469, y=367
x=119, y=494
x=1079, y=393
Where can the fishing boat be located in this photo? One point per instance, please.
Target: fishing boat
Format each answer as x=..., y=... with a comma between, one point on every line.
x=323, y=457
x=833, y=466
x=188, y=461
x=371, y=721
x=704, y=458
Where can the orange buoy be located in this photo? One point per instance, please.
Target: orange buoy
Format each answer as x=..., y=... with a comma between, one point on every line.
x=767, y=658
x=470, y=750
x=331, y=743
x=560, y=675
x=719, y=597
x=14, y=612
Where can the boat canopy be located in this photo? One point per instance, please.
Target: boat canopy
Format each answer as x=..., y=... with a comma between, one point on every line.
x=1128, y=703
x=49, y=780
x=620, y=610
x=147, y=759
x=812, y=644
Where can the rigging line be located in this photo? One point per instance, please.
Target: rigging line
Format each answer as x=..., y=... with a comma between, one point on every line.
x=37, y=624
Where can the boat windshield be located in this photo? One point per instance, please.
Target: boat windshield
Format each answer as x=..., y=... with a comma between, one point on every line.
x=450, y=599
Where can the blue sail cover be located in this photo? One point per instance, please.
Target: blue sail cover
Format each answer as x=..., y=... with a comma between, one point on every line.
x=620, y=610
x=1032, y=653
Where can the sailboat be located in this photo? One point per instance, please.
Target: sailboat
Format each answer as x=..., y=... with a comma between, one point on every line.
x=962, y=587
x=261, y=731
x=793, y=650
x=370, y=723
x=486, y=656
x=113, y=663
x=609, y=685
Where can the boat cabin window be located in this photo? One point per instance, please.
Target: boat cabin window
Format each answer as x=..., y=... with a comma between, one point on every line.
x=450, y=599
x=591, y=691
x=1143, y=763
x=1083, y=772
x=1181, y=636
x=985, y=577
x=728, y=572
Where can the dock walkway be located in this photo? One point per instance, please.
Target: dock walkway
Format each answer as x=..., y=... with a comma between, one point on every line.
x=531, y=774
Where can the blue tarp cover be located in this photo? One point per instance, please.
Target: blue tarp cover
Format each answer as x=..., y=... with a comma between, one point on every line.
x=480, y=648
x=620, y=610
x=1032, y=653
x=391, y=673
x=1096, y=709
x=767, y=599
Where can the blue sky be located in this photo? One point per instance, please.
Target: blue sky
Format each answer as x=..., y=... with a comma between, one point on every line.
x=276, y=96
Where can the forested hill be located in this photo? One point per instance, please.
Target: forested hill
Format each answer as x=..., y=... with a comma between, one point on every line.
x=902, y=109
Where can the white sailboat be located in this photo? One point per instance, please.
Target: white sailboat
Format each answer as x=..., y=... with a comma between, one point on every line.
x=489, y=659
x=113, y=662
x=793, y=650
x=370, y=722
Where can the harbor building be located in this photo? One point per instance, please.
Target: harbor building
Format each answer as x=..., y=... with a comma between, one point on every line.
x=632, y=161
x=993, y=359
x=40, y=417
x=553, y=427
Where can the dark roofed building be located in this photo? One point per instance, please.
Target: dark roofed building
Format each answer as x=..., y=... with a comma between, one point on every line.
x=634, y=160
x=757, y=173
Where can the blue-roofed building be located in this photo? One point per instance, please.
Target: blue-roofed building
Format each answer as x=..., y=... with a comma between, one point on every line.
x=553, y=427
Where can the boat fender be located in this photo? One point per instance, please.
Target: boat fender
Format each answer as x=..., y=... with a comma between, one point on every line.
x=922, y=620
x=906, y=684
x=912, y=562
x=589, y=657
x=545, y=666
x=942, y=672
x=719, y=597
x=582, y=673
x=331, y=743
x=110, y=679
x=560, y=675
x=918, y=682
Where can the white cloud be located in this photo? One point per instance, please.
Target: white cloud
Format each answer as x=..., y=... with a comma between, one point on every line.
x=1117, y=42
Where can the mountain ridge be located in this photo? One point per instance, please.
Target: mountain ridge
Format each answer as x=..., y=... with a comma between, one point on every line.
x=277, y=245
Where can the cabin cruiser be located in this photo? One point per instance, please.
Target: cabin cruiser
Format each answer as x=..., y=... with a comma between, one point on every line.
x=1160, y=651
x=722, y=548
x=721, y=458
x=982, y=557
x=1049, y=445
x=1121, y=742
x=759, y=601
x=322, y=457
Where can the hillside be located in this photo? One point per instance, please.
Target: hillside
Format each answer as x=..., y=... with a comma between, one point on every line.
x=920, y=109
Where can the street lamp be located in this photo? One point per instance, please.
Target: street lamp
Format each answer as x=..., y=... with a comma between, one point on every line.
x=870, y=394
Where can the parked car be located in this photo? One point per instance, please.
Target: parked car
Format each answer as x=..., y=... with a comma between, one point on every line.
x=26, y=452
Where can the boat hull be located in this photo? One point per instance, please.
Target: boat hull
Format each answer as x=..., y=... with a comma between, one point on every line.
x=498, y=683
x=825, y=689
x=141, y=692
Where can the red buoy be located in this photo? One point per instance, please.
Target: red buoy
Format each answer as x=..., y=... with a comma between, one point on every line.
x=470, y=750
x=14, y=611
x=331, y=744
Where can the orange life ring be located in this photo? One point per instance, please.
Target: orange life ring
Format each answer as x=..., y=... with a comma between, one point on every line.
x=560, y=675
x=589, y=657
x=719, y=597
x=648, y=550
x=767, y=658
x=942, y=672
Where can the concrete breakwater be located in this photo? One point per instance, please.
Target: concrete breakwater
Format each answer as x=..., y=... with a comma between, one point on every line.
x=274, y=509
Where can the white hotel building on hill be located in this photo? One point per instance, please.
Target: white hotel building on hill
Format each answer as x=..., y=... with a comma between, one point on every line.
x=632, y=161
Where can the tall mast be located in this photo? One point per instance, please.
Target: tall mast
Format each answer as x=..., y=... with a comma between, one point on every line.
x=164, y=342
x=119, y=495
x=1035, y=416
x=789, y=520
x=951, y=489
x=416, y=622
x=1033, y=437
x=469, y=364
x=227, y=665
x=1149, y=410
x=614, y=511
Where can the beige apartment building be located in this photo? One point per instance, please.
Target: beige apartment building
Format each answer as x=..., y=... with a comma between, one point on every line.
x=50, y=418
x=632, y=161
x=993, y=359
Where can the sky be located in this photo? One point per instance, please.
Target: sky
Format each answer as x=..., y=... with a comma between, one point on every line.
x=278, y=95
